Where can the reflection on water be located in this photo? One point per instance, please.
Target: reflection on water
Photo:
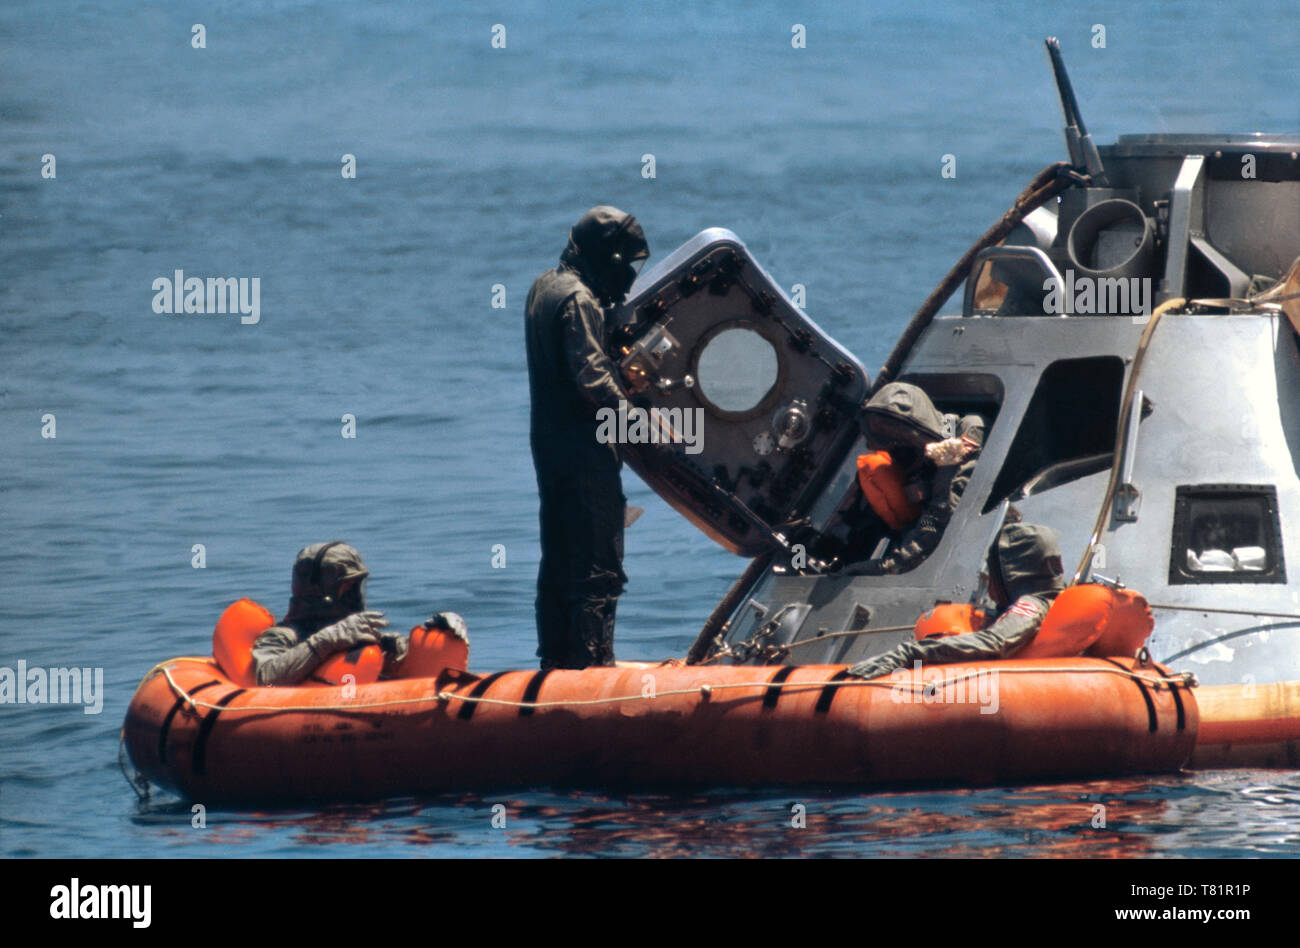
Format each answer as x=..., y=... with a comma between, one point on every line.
x=1193, y=815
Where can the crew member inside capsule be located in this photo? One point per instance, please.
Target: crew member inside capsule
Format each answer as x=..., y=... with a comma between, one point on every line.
x=934, y=456
x=1025, y=575
x=327, y=615
x=571, y=377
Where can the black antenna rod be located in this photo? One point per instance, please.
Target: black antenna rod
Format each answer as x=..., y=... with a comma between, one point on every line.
x=1083, y=153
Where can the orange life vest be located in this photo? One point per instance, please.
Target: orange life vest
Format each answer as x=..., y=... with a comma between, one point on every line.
x=241, y=624
x=432, y=651
x=364, y=665
x=1093, y=619
x=950, y=618
x=883, y=486
x=1126, y=629
x=1087, y=619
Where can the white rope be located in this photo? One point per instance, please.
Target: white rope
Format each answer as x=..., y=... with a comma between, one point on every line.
x=705, y=690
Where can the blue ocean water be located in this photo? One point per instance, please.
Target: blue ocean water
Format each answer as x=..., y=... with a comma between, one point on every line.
x=472, y=162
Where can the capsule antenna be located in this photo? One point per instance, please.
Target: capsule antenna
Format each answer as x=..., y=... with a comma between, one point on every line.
x=1083, y=153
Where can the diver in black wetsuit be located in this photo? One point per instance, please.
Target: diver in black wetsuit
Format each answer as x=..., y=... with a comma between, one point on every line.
x=570, y=377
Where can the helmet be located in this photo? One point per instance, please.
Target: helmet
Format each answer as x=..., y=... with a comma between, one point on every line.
x=1024, y=560
x=607, y=247
x=901, y=419
x=319, y=573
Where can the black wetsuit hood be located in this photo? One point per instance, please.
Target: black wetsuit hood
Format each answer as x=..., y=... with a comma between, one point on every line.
x=604, y=246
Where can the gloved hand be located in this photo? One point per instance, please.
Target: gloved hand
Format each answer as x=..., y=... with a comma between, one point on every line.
x=951, y=451
x=872, y=668
x=635, y=382
x=667, y=452
x=657, y=453
x=360, y=628
x=450, y=621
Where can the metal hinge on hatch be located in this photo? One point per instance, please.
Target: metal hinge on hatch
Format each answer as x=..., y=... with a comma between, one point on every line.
x=643, y=361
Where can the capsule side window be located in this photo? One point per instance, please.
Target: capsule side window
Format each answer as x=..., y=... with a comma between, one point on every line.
x=1226, y=533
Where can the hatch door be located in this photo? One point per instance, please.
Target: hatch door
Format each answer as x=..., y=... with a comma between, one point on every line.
x=762, y=405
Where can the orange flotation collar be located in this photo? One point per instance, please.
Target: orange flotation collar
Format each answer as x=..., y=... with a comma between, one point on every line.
x=883, y=485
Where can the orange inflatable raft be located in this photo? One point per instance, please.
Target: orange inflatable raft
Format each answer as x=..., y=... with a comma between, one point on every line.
x=200, y=730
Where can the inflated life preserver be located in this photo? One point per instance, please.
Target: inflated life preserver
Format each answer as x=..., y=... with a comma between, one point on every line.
x=233, y=638
x=1127, y=628
x=950, y=618
x=243, y=621
x=431, y=651
x=358, y=666
x=1094, y=619
x=1087, y=619
x=883, y=486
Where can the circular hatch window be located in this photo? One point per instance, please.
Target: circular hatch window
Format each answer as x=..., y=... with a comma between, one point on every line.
x=736, y=370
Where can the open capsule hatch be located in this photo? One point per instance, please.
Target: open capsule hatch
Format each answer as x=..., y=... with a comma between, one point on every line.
x=762, y=405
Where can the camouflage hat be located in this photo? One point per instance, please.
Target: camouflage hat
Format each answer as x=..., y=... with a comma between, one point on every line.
x=322, y=568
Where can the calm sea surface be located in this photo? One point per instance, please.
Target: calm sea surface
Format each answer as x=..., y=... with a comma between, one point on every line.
x=375, y=296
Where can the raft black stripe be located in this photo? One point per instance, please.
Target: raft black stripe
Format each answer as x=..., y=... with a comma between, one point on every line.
x=774, y=689
x=198, y=763
x=1178, y=701
x=829, y=692
x=467, y=707
x=1151, y=707
x=167, y=721
x=531, y=692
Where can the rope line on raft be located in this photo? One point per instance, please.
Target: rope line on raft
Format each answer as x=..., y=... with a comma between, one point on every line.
x=1186, y=679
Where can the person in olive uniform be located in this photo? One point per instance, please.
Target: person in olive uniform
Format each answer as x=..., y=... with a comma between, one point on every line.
x=571, y=376
x=327, y=614
x=937, y=454
x=1025, y=577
